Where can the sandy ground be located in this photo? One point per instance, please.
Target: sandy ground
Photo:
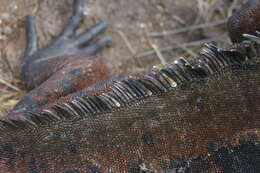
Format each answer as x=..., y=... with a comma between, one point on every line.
x=131, y=25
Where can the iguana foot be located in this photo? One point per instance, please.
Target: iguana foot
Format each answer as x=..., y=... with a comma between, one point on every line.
x=65, y=66
x=66, y=44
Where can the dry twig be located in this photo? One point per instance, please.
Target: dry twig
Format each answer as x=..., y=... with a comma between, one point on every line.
x=128, y=44
x=2, y=81
x=155, y=48
x=194, y=43
x=186, y=29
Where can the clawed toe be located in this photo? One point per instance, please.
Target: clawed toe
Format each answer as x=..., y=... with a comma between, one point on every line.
x=91, y=33
x=255, y=38
x=97, y=46
x=74, y=20
x=32, y=43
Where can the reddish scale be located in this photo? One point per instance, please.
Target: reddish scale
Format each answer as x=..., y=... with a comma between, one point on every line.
x=73, y=76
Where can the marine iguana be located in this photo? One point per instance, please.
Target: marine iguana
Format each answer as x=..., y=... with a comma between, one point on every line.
x=198, y=115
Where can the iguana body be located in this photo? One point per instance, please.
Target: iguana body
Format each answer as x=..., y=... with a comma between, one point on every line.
x=200, y=115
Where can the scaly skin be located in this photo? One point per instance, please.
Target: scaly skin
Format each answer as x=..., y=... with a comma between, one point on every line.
x=200, y=115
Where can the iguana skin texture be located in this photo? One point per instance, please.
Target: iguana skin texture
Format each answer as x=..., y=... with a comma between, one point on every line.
x=200, y=115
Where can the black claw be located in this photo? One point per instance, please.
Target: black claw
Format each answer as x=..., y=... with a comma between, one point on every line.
x=74, y=19
x=31, y=34
x=97, y=46
x=91, y=33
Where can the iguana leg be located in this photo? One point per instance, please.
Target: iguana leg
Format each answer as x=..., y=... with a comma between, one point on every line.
x=245, y=20
x=65, y=66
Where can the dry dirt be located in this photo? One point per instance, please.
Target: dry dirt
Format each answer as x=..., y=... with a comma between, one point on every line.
x=131, y=21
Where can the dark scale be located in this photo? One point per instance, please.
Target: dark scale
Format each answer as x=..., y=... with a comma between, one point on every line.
x=243, y=158
x=176, y=163
x=72, y=146
x=72, y=171
x=94, y=168
x=33, y=168
x=134, y=166
x=148, y=139
x=200, y=110
x=67, y=87
x=12, y=154
x=33, y=171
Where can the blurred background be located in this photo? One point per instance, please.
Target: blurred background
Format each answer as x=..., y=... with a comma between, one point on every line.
x=146, y=33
